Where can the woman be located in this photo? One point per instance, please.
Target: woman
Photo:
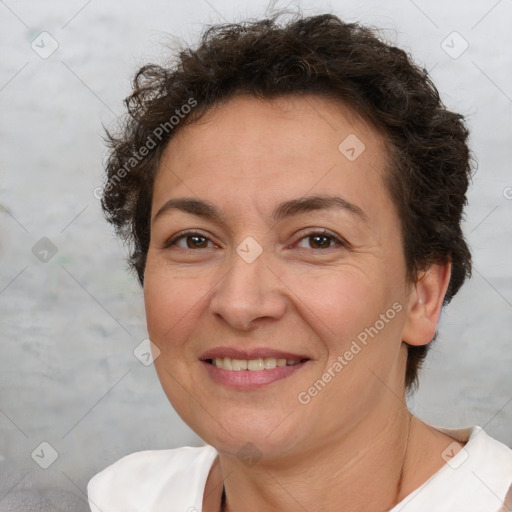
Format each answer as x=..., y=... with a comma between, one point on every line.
x=293, y=195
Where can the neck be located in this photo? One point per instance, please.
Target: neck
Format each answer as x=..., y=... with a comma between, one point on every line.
x=364, y=469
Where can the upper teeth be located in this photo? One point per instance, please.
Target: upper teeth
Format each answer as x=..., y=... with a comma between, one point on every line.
x=262, y=363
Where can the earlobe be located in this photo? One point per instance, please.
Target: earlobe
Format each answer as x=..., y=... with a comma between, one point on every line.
x=425, y=303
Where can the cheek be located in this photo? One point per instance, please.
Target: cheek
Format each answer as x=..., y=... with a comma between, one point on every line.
x=169, y=303
x=356, y=315
x=343, y=300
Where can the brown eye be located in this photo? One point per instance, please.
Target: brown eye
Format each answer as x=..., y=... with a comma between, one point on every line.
x=322, y=240
x=193, y=240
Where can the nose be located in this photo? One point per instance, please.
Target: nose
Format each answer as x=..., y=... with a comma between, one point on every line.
x=249, y=294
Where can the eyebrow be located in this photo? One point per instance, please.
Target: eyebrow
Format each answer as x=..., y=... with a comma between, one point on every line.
x=287, y=209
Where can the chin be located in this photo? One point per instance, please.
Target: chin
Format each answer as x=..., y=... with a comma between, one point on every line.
x=266, y=434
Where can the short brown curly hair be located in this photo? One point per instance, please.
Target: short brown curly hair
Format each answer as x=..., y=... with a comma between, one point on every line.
x=429, y=160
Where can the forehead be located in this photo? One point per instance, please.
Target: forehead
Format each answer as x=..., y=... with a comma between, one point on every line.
x=258, y=151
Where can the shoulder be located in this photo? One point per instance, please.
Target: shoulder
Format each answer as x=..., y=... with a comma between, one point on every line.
x=151, y=462
x=485, y=453
x=147, y=477
x=478, y=477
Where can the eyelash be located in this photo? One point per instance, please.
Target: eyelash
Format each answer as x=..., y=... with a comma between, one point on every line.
x=323, y=233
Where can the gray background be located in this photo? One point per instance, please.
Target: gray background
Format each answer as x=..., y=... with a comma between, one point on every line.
x=68, y=327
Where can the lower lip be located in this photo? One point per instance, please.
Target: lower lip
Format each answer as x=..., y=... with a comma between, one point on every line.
x=246, y=379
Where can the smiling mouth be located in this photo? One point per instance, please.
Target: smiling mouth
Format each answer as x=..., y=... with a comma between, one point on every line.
x=253, y=365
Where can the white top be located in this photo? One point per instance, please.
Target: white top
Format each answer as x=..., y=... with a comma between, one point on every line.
x=477, y=479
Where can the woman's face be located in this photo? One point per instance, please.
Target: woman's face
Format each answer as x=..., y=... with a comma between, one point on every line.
x=324, y=284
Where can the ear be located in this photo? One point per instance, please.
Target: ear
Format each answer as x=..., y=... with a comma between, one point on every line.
x=425, y=303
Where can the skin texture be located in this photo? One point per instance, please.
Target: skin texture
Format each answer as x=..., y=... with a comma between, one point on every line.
x=353, y=440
